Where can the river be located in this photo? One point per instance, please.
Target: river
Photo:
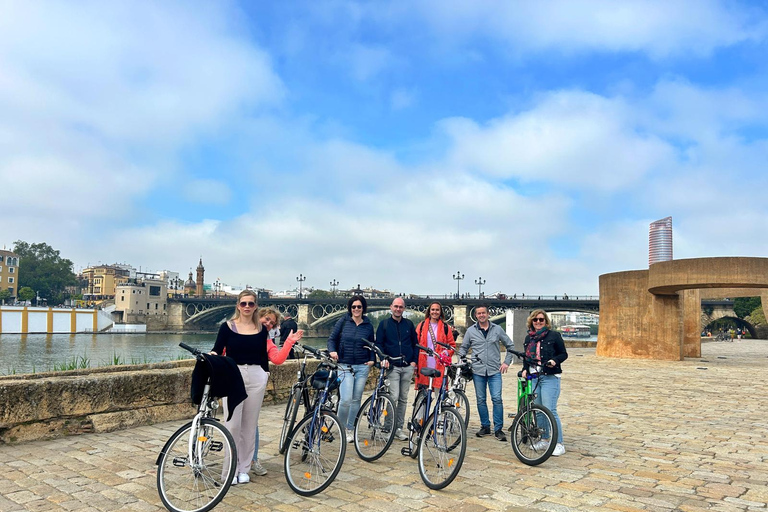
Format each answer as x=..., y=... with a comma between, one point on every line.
x=30, y=353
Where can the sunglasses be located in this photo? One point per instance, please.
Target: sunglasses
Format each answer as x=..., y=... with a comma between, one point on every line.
x=356, y=307
x=539, y=320
x=247, y=304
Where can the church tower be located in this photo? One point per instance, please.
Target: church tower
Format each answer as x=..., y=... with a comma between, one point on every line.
x=200, y=274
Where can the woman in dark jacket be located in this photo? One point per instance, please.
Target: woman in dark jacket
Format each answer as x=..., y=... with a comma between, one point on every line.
x=355, y=360
x=546, y=345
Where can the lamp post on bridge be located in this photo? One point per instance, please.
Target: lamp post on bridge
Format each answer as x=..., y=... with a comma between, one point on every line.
x=334, y=284
x=479, y=282
x=301, y=280
x=458, y=276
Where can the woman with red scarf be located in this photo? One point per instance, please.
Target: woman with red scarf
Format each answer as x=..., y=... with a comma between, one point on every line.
x=429, y=331
x=547, y=346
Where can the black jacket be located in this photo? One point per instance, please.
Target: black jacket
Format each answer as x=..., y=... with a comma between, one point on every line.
x=398, y=339
x=225, y=378
x=552, y=347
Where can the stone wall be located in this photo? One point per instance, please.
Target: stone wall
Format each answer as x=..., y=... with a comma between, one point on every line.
x=49, y=405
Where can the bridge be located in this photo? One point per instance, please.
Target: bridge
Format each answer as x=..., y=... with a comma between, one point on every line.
x=206, y=313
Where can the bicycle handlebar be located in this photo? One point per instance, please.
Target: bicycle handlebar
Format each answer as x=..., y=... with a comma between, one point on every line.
x=381, y=355
x=195, y=351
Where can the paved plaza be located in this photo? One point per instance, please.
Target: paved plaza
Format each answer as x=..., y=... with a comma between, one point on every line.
x=640, y=435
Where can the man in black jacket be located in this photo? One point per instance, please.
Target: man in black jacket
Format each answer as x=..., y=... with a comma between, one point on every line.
x=287, y=326
x=396, y=336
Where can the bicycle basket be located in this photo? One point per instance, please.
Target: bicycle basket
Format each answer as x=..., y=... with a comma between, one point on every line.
x=466, y=371
x=320, y=377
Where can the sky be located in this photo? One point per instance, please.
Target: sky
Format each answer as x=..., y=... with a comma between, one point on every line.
x=389, y=144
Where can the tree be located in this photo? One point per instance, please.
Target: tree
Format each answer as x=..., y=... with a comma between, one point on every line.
x=319, y=294
x=42, y=269
x=26, y=293
x=743, y=306
x=757, y=317
x=4, y=296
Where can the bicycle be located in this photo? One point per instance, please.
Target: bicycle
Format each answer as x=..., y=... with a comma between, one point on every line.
x=458, y=374
x=317, y=445
x=375, y=421
x=197, y=464
x=534, y=429
x=299, y=395
x=440, y=435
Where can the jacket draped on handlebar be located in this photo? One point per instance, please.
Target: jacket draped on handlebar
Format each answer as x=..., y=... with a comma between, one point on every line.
x=443, y=335
x=346, y=340
x=552, y=347
x=225, y=380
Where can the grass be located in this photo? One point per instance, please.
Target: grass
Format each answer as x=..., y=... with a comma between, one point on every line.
x=83, y=362
x=76, y=363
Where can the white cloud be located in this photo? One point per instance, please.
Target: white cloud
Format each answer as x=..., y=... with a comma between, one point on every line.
x=660, y=28
x=207, y=192
x=570, y=137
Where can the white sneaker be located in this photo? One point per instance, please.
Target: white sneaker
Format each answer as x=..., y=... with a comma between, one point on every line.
x=234, y=480
x=243, y=478
x=258, y=469
x=402, y=436
x=559, y=450
x=350, y=437
x=542, y=445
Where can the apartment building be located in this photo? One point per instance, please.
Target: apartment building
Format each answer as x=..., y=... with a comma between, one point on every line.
x=9, y=273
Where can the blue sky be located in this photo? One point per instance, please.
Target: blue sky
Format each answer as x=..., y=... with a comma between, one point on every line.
x=387, y=143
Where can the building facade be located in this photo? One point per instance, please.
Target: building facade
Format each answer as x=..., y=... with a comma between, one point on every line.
x=136, y=300
x=660, y=241
x=102, y=281
x=9, y=273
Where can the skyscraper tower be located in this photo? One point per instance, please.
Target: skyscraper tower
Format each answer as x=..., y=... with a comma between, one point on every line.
x=660, y=241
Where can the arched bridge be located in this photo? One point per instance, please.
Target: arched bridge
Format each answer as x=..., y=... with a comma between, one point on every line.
x=208, y=312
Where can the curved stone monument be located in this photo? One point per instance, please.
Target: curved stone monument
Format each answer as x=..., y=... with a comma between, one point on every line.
x=655, y=313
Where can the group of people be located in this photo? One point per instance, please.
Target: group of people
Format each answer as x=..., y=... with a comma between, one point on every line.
x=397, y=337
x=249, y=338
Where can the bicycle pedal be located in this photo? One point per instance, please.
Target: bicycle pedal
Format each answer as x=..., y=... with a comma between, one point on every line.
x=216, y=446
x=405, y=451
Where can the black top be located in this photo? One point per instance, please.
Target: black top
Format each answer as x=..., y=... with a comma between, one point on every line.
x=398, y=339
x=243, y=348
x=552, y=347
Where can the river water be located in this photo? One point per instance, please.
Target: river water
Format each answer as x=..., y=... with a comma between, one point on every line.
x=30, y=353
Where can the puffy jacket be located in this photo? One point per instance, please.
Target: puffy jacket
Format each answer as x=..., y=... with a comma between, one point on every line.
x=346, y=340
x=486, y=353
x=552, y=347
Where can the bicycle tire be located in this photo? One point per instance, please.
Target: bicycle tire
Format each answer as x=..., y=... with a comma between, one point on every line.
x=442, y=448
x=183, y=488
x=529, y=431
x=418, y=417
x=374, y=427
x=308, y=468
x=461, y=404
x=289, y=418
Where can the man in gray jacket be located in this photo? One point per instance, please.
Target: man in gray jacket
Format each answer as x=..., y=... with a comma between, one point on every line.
x=483, y=339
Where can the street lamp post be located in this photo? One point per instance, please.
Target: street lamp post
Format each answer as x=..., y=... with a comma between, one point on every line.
x=217, y=287
x=301, y=280
x=458, y=276
x=479, y=282
x=334, y=284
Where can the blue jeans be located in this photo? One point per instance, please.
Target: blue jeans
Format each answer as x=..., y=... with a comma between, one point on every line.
x=547, y=395
x=351, y=392
x=256, y=452
x=493, y=384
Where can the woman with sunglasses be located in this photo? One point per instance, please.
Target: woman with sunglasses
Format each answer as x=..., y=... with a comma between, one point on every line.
x=547, y=346
x=245, y=339
x=345, y=345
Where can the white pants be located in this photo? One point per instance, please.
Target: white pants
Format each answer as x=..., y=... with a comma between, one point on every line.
x=245, y=419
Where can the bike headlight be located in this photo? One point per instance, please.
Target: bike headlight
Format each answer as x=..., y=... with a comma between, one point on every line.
x=386, y=382
x=214, y=404
x=334, y=399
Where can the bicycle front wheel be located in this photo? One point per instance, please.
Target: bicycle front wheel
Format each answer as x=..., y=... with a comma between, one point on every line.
x=200, y=483
x=534, y=434
x=315, y=453
x=289, y=418
x=374, y=427
x=442, y=448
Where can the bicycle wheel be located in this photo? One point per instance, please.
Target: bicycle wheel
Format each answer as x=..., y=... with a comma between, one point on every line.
x=374, y=430
x=418, y=418
x=289, y=418
x=442, y=448
x=200, y=484
x=461, y=404
x=315, y=453
x=534, y=434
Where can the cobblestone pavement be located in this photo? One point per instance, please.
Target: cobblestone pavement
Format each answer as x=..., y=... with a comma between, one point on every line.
x=640, y=435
